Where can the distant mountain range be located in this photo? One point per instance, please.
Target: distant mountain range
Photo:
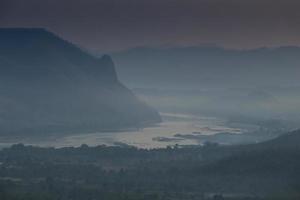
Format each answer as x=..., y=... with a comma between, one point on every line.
x=206, y=66
x=49, y=85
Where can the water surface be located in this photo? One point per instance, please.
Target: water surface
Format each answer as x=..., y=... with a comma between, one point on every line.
x=161, y=135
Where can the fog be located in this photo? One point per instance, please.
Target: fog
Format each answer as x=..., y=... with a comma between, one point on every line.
x=260, y=83
x=149, y=100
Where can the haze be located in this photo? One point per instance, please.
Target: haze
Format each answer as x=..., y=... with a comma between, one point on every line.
x=149, y=99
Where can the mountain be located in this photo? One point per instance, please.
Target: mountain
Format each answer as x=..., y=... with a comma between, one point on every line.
x=48, y=84
x=208, y=66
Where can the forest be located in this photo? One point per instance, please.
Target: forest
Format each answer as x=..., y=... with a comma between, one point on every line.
x=257, y=171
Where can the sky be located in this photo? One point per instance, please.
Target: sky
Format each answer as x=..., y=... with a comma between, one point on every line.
x=112, y=25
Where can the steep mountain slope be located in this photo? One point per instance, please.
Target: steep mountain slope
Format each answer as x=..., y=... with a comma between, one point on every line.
x=48, y=85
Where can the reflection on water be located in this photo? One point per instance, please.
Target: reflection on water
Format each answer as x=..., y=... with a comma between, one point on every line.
x=158, y=136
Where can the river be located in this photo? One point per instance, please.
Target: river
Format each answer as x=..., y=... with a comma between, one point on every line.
x=159, y=136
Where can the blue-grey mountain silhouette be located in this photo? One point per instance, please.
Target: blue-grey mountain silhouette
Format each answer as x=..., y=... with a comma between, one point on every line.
x=49, y=84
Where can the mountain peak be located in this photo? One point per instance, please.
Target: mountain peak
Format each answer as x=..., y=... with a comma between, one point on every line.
x=20, y=29
x=33, y=50
x=51, y=84
x=107, y=59
x=24, y=33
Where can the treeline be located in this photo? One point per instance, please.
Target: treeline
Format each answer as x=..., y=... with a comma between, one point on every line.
x=211, y=171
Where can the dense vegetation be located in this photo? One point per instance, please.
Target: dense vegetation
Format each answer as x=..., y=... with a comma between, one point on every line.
x=259, y=171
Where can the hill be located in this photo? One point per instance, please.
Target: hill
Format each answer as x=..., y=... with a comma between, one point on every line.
x=48, y=84
x=269, y=167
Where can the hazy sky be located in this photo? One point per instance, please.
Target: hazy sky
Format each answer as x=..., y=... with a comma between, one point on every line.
x=107, y=25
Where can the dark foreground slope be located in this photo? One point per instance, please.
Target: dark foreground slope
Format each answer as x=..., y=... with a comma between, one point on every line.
x=48, y=84
x=271, y=167
x=269, y=170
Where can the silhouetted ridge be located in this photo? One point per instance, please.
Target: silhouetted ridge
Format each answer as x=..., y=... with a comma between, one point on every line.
x=39, y=50
x=48, y=84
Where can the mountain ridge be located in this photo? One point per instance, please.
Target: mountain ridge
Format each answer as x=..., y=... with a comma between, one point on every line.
x=47, y=83
x=208, y=66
